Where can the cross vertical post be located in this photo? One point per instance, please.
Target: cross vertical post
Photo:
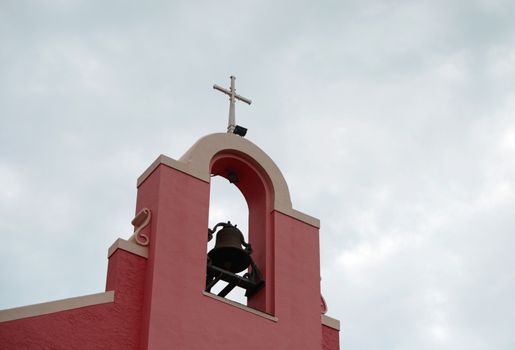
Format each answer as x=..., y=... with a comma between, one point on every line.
x=232, y=117
x=233, y=96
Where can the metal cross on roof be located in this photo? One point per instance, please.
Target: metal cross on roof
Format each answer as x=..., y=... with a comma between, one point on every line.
x=233, y=96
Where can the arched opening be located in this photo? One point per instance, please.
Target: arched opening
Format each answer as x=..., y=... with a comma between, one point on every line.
x=255, y=187
x=227, y=203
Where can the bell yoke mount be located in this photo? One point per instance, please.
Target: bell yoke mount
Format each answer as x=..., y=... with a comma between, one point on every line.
x=228, y=258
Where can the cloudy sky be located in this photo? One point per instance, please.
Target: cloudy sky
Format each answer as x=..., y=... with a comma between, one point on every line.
x=392, y=121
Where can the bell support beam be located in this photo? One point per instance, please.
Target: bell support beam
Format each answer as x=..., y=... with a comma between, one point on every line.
x=215, y=274
x=226, y=290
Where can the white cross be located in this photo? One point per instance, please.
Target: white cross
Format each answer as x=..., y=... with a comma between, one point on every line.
x=232, y=98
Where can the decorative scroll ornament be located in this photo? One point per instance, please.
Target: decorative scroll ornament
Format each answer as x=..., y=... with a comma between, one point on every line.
x=139, y=222
x=323, y=304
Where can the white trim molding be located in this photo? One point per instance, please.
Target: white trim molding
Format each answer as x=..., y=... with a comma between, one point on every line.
x=56, y=306
x=196, y=162
x=241, y=306
x=129, y=246
x=331, y=322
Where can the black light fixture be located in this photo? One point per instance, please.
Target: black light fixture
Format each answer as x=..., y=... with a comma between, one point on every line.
x=233, y=177
x=240, y=131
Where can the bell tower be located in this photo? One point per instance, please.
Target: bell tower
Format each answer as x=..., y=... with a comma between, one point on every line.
x=284, y=302
x=159, y=290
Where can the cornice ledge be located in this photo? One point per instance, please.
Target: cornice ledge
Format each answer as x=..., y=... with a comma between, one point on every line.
x=129, y=246
x=308, y=219
x=331, y=322
x=56, y=306
x=241, y=306
x=174, y=164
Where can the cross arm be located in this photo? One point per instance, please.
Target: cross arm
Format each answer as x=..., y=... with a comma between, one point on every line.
x=241, y=98
x=219, y=88
x=227, y=92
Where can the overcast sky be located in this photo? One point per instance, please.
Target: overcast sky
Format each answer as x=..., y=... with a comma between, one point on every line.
x=392, y=121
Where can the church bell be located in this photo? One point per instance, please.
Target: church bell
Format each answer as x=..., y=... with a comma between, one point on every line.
x=231, y=255
x=228, y=252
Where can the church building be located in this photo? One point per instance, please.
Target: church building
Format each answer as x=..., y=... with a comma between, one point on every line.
x=160, y=286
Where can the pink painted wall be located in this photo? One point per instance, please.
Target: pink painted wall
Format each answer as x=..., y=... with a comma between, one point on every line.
x=331, y=338
x=159, y=301
x=179, y=316
x=105, y=326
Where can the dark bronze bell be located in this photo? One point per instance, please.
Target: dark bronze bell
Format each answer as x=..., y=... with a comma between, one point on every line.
x=228, y=253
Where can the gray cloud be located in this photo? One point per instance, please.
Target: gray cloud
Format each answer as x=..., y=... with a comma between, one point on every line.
x=391, y=121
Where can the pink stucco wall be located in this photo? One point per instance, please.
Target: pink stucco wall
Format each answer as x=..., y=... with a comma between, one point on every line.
x=159, y=301
x=179, y=316
x=105, y=326
x=331, y=338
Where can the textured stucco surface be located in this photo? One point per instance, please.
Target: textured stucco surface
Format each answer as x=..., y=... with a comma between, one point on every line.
x=179, y=316
x=159, y=301
x=330, y=338
x=105, y=326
